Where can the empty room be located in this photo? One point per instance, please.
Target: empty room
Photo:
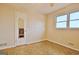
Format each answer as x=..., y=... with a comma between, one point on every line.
x=39, y=28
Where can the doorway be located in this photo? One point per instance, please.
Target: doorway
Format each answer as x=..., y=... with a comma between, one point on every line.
x=20, y=29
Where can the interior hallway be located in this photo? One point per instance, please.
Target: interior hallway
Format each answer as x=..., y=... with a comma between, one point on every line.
x=40, y=48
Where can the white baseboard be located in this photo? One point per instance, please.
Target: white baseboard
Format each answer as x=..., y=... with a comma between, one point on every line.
x=5, y=47
x=64, y=45
x=35, y=41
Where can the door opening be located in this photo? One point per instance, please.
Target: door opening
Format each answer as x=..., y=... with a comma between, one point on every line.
x=20, y=29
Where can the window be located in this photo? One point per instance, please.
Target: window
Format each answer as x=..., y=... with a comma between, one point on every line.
x=61, y=21
x=74, y=20
x=71, y=20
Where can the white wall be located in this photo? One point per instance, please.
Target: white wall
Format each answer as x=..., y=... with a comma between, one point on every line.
x=7, y=29
x=66, y=37
x=36, y=28
x=35, y=25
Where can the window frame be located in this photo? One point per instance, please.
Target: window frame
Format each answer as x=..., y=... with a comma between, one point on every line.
x=72, y=20
x=68, y=20
x=61, y=21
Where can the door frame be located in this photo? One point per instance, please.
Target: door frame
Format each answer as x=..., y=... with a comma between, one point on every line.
x=23, y=16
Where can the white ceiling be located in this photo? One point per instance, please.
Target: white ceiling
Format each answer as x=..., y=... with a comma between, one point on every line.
x=43, y=8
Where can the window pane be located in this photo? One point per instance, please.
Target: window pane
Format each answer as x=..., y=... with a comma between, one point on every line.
x=74, y=24
x=61, y=25
x=62, y=18
x=74, y=16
